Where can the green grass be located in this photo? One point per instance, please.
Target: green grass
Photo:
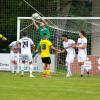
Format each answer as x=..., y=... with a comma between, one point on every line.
x=14, y=87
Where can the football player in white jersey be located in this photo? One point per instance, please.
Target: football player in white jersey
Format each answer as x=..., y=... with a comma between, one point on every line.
x=26, y=45
x=82, y=50
x=14, y=56
x=69, y=46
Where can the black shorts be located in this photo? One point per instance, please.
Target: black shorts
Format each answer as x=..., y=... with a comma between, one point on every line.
x=46, y=60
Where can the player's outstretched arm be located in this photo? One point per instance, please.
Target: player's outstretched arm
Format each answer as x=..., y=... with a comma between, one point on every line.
x=44, y=21
x=61, y=51
x=52, y=47
x=35, y=24
x=57, y=50
x=81, y=46
x=73, y=45
x=33, y=47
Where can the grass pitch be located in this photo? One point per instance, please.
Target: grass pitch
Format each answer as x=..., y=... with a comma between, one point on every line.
x=14, y=87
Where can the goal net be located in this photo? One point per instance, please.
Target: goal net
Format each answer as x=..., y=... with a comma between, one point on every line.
x=70, y=26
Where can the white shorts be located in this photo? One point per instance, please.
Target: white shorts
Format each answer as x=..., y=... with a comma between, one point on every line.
x=26, y=57
x=70, y=58
x=14, y=56
x=82, y=58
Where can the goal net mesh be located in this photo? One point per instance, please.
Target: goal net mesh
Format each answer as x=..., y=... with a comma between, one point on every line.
x=71, y=27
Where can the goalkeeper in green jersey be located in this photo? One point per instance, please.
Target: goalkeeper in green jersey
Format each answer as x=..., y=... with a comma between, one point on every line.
x=42, y=28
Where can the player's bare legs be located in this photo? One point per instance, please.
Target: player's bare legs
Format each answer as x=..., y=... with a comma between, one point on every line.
x=13, y=66
x=22, y=68
x=30, y=68
x=47, y=71
x=44, y=70
x=68, y=66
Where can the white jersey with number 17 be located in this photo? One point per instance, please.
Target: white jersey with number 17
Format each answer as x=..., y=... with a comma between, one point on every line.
x=26, y=44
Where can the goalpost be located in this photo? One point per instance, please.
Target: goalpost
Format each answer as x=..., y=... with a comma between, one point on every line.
x=71, y=26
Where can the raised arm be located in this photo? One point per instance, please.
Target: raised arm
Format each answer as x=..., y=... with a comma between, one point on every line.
x=44, y=21
x=52, y=47
x=81, y=46
x=35, y=24
x=61, y=51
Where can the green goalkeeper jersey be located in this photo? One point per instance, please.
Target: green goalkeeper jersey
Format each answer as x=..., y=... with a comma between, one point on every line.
x=43, y=30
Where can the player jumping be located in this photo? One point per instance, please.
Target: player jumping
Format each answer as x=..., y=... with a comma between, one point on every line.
x=41, y=27
x=25, y=45
x=45, y=46
x=69, y=46
x=82, y=50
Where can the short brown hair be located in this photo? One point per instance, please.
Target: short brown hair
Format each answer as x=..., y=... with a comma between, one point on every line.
x=83, y=32
x=64, y=35
x=25, y=34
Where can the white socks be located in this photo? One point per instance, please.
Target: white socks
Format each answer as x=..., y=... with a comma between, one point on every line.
x=17, y=69
x=82, y=69
x=13, y=68
x=22, y=69
x=68, y=65
x=31, y=69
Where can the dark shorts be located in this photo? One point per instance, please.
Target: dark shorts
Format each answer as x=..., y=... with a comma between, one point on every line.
x=46, y=60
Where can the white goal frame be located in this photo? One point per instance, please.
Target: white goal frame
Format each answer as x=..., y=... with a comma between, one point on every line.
x=69, y=18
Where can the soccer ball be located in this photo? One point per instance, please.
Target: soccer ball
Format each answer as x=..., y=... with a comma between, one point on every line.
x=36, y=16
